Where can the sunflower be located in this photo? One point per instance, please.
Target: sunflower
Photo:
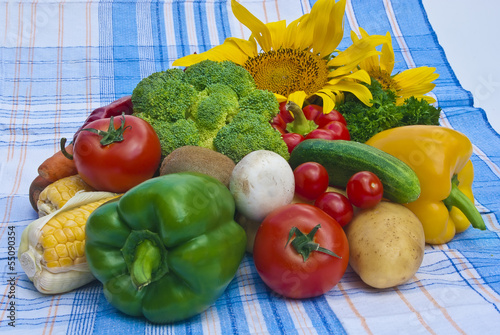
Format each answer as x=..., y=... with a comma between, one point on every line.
x=416, y=82
x=299, y=60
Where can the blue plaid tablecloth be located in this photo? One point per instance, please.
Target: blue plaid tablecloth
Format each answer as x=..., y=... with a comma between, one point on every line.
x=61, y=59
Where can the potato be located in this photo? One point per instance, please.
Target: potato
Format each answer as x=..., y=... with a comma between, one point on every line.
x=386, y=244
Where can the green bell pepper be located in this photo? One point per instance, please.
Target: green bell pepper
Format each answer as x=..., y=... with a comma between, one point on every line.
x=168, y=248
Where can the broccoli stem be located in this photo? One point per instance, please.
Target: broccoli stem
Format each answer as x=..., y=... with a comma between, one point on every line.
x=300, y=124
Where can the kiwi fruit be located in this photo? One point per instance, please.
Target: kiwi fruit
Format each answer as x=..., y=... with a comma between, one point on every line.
x=198, y=159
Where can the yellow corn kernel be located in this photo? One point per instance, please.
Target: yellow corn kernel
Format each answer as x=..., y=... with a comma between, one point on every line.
x=60, y=236
x=54, y=264
x=61, y=250
x=46, y=230
x=58, y=193
x=69, y=234
x=49, y=241
x=79, y=233
x=80, y=248
x=50, y=255
x=65, y=261
x=72, y=250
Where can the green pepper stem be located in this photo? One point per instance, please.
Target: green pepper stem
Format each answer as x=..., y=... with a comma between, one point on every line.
x=300, y=124
x=458, y=199
x=145, y=256
x=146, y=261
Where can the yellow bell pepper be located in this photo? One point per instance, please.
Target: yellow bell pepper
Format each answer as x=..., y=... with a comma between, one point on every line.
x=441, y=159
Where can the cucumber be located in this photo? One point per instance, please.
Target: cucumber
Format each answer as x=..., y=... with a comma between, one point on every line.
x=342, y=159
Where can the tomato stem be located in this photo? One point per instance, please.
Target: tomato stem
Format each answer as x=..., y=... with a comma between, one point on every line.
x=113, y=134
x=63, y=149
x=304, y=244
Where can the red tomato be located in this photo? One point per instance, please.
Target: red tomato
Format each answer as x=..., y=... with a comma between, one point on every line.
x=340, y=131
x=311, y=180
x=283, y=268
x=291, y=140
x=337, y=206
x=364, y=189
x=325, y=134
x=334, y=115
x=311, y=112
x=118, y=166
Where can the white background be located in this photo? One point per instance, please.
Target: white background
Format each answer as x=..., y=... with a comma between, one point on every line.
x=469, y=32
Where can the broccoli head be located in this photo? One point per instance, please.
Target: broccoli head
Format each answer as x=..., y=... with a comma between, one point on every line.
x=210, y=104
x=208, y=72
x=164, y=96
x=177, y=134
x=259, y=102
x=242, y=136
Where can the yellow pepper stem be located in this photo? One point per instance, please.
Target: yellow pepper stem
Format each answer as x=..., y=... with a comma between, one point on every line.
x=460, y=200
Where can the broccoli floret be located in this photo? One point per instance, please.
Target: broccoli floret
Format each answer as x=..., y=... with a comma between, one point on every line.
x=175, y=135
x=259, y=102
x=215, y=101
x=164, y=96
x=208, y=72
x=243, y=136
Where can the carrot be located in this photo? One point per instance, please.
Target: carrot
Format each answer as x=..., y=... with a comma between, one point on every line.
x=58, y=166
x=37, y=186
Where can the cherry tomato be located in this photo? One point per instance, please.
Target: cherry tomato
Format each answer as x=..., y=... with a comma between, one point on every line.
x=311, y=112
x=311, y=180
x=340, y=131
x=291, y=140
x=279, y=261
x=337, y=206
x=325, y=134
x=334, y=115
x=285, y=115
x=364, y=189
x=120, y=165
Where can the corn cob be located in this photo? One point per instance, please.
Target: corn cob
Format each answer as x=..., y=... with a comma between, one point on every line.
x=59, y=192
x=52, y=248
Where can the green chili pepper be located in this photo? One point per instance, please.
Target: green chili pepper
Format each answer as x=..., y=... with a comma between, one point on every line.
x=168, y=248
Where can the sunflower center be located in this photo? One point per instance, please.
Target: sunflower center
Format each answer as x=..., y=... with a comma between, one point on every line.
x=385, y=79
x=285, y=71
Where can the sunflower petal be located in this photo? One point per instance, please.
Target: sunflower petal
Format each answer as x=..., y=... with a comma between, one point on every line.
x=301, y=35
x=329, y=100
x=328, y=18
x=260, y=32
x=387, y=58
x=354, y=54
x=278, y=33
x=233, y=49
x=359, y=90
x=280, y=97
x=418, y=75
x=298, y=97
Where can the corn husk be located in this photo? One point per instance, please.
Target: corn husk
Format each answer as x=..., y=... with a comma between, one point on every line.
x=55, y=280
